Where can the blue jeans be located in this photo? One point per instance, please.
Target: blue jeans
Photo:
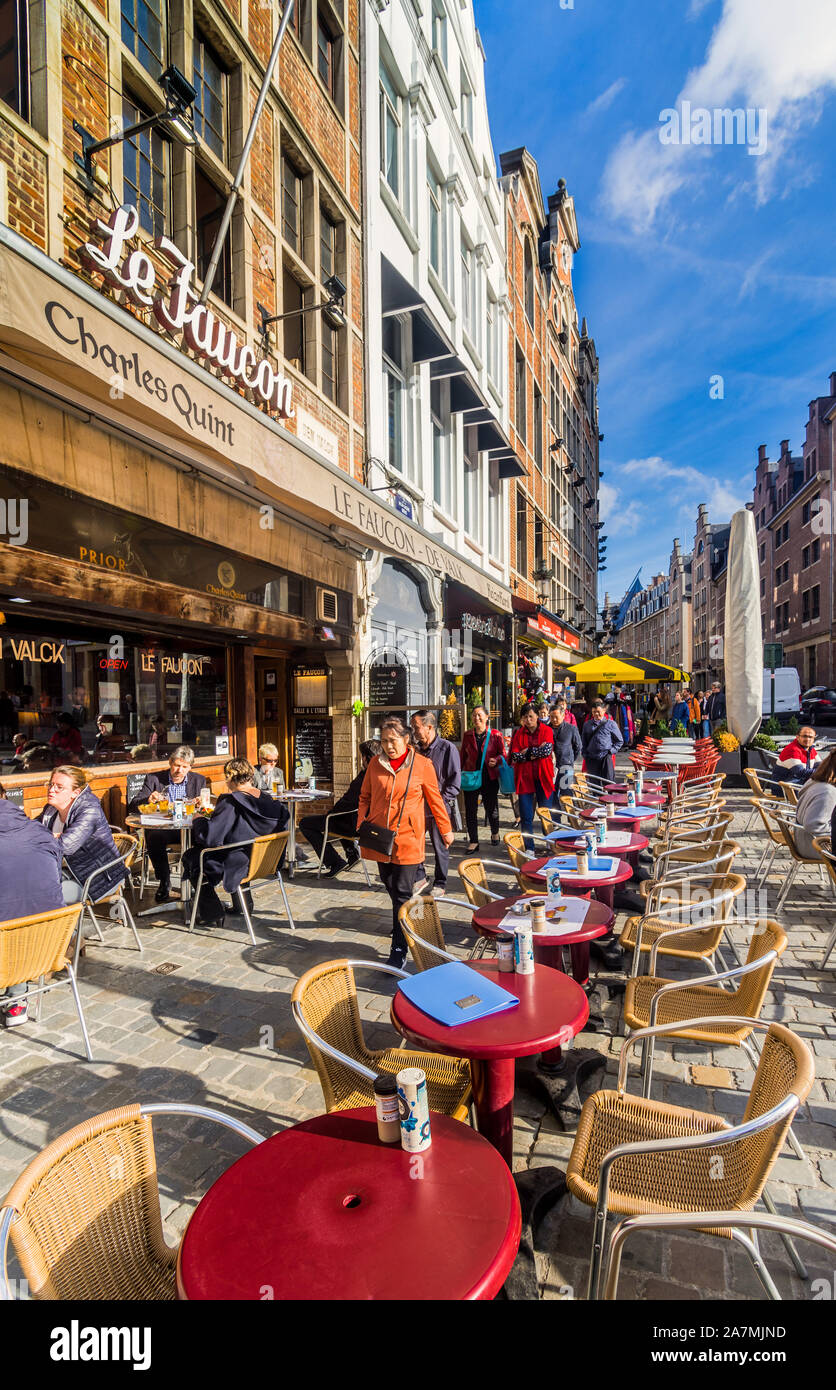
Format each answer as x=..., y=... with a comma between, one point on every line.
x=526, y=800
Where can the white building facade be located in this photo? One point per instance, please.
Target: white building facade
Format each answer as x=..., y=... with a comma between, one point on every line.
x=436, y=349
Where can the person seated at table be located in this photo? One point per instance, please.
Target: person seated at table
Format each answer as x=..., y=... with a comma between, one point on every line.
x=180, y=783
x=797, y=760
x=268, y=774
x=108, y=747
x=66, y=740
x=74, y=815
x=30, y=882
x=313, y=827
x=15, y=762
x=158, y=736
x=242, y=812
x=816, y=806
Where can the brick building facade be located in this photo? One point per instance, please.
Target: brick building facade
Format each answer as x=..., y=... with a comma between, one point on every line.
x=553, y=422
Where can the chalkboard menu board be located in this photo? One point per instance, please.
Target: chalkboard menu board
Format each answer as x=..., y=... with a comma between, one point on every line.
x=134, y=783
x=387, y=686
x=314, y=748
x=15, y=795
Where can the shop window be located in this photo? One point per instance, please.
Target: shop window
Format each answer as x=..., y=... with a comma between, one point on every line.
x=210, y=102
x=153, y=697
x=143, y=32
x=14, y=55
x=209, y=209
x=145, y=167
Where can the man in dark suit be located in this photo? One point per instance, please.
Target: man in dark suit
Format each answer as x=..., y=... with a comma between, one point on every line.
x=313, y=827
x=178, y=784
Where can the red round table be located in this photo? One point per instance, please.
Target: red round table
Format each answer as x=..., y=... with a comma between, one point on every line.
x=551, y=1011
x=620, y=798
x=630, y=851
x=616, y=822
x=603, y=888
x=325, y=1211
x=547, y=950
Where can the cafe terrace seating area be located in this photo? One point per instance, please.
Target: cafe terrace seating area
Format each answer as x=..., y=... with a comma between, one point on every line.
x=168, y=1071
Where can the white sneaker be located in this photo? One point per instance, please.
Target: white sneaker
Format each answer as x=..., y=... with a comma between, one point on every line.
x=16, y=1013
x=438, y=891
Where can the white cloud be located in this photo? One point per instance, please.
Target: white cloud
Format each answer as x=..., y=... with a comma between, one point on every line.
x=687, y=486
x=622, y=518
x=696, y=8
x=758, y=56
x=606, y=99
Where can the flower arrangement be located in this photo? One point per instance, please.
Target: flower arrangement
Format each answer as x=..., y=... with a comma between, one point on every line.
x=725, y=742
x=764, y=741
x=449, y=723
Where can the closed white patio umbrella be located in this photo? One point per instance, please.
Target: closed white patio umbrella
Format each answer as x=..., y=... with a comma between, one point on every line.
x=743, y=646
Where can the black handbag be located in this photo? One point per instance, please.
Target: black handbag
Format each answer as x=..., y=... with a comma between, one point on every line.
x=379, y=837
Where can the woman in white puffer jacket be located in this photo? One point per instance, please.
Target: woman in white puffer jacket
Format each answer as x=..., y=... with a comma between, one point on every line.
x=816, y=805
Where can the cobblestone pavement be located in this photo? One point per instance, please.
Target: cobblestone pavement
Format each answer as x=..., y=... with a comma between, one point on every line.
x=205, y=1018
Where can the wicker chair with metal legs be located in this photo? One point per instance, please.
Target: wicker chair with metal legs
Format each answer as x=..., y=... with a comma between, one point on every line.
x=829, y=861
x=84, y=1216
x=330, y=835
x=127, y=846
x=633, y=1155
x=757, y=789
x=420, y=921
x=787, y=829
x=679, y=862
x=324, y=1004
x=475, y=880
x=766, y=809
x=265, y=854
x=671, y=911
x=712, y=832
x=520, y=856
x=35, y=947
x=735, y=1222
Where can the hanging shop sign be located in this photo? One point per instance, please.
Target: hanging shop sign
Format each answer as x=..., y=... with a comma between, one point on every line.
x=179, y=310
x=485, y=626
x=310, y=685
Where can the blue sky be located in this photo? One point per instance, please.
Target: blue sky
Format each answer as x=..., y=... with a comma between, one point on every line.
x=696, y=260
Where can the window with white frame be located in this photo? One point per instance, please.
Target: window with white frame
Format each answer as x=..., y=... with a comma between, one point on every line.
x=467, y=287
x=391, y=136
x=394, y=386
x=436, y=206
x=472, y=486
x=466, y=104
x=492, y=338
x=442, y=471
x=496, y=530
x=440, y=30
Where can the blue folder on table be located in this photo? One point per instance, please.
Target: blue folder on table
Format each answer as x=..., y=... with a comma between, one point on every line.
x=637, y=811
x=565, y=835
x=453, y=993
x=568, y=864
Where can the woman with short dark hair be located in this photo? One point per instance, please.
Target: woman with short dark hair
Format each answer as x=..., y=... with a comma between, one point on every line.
x=483, y=749
x=242, y=812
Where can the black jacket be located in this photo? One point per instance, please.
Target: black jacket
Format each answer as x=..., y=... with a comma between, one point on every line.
x=30, y=865
x=237, y=816
x=715, y=706
x=87, y=843
x=158, y=782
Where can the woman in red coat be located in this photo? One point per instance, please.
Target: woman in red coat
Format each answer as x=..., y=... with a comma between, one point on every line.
x=532, y=756
x=482, y=747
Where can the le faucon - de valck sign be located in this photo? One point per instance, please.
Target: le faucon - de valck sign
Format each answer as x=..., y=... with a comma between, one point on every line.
x=64, y=329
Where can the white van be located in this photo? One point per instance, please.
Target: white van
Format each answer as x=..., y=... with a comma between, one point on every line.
x=787, y=692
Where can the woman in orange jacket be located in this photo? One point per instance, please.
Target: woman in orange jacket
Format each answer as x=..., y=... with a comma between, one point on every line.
x=395, y=790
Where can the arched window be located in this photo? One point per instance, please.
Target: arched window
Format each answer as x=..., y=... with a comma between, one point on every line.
x=529, y=285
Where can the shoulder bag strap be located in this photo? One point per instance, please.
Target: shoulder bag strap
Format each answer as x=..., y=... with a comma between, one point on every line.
x=488, y=733
x=405, y=790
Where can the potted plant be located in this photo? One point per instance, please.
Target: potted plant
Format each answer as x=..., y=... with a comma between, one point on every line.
x=728, y=746
x=756, y=753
